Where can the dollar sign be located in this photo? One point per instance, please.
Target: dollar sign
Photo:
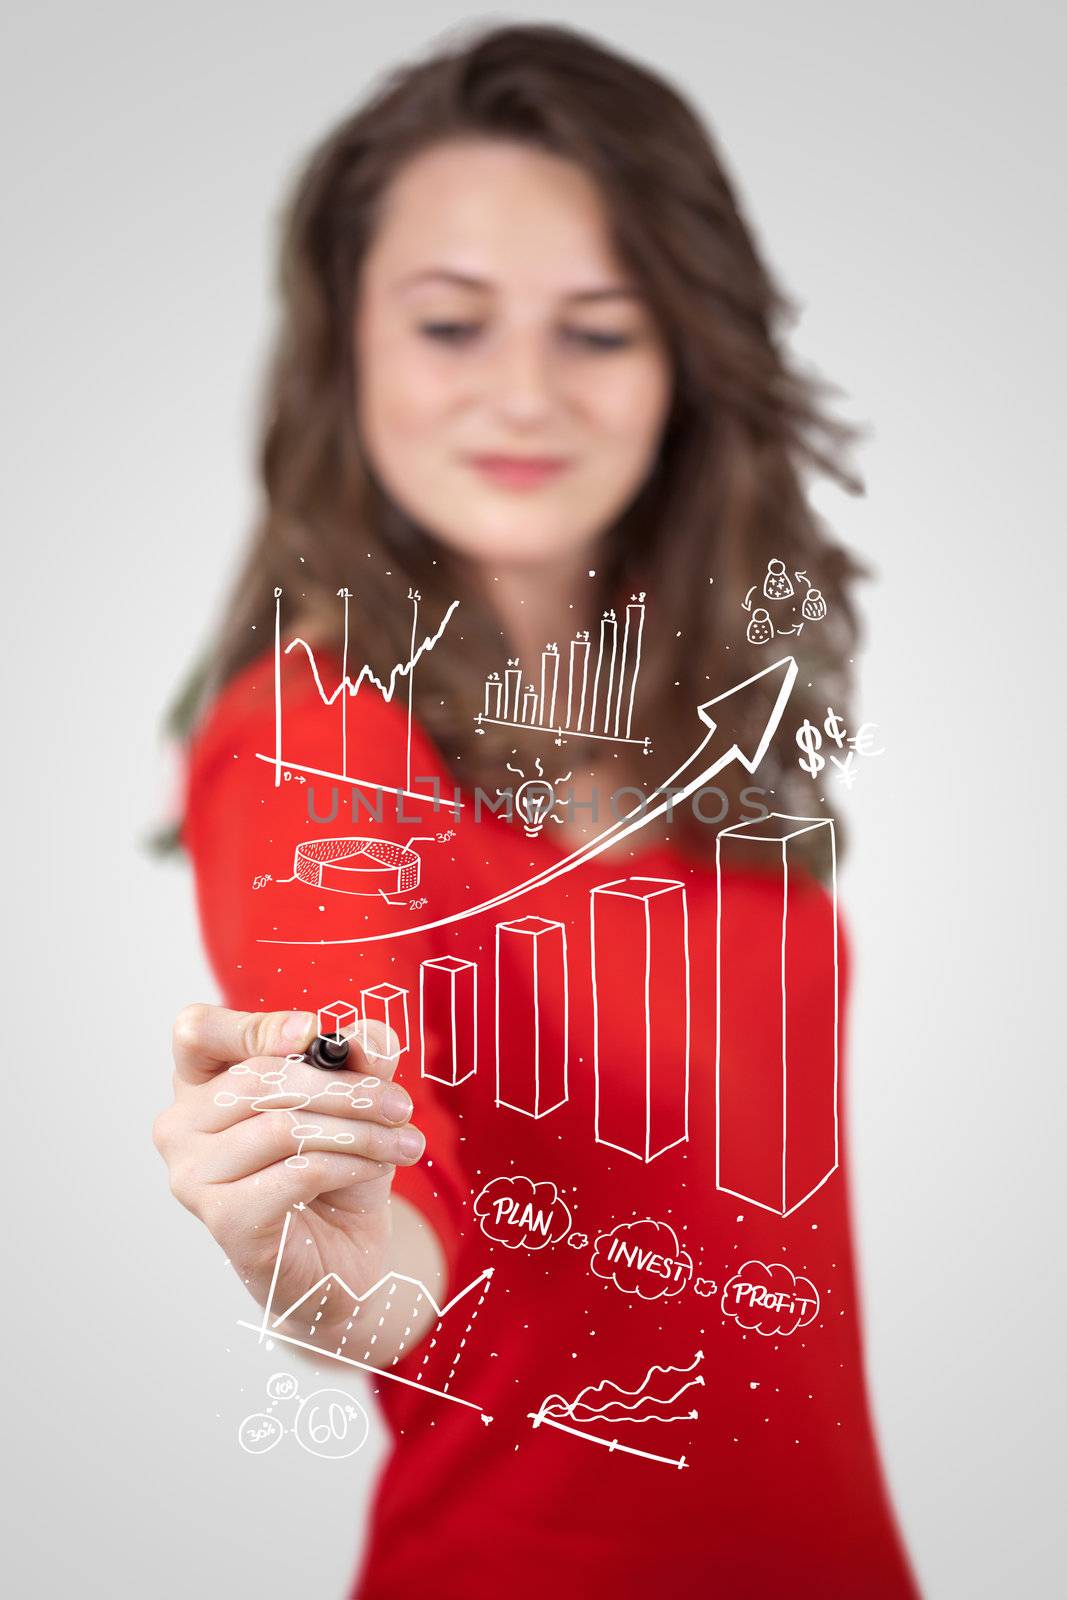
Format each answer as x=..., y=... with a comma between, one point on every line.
x=835, y=728
x=810, y=740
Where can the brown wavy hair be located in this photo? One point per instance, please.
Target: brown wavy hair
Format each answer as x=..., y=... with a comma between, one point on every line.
x=726, y=493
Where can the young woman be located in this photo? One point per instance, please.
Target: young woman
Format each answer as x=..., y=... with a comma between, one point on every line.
x=533, y=494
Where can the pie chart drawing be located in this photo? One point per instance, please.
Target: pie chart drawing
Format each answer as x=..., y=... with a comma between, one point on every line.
x=357, y=866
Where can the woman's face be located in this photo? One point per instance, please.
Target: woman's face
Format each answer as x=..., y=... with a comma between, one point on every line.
x=512, y=384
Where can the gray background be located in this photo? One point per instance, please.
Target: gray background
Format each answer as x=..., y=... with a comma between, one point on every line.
x=902, y=163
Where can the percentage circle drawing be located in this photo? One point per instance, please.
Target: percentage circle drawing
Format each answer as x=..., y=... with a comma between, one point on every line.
x=330, y=1423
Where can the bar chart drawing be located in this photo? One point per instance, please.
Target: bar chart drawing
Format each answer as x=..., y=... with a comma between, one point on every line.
x=591, y=694
x=531, y=990
x=776, y=1014
x=448, y=1006
x=640, y=956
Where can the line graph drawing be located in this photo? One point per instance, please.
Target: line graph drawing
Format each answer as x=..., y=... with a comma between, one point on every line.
x=639, y=932
x=776, y=1111
x=463, y=1309
x=609, y=1402
x=696, y=770
x=402, y=673
x=597, y=699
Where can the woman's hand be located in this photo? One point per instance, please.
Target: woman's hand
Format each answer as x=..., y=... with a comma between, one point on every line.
x=253, y=1132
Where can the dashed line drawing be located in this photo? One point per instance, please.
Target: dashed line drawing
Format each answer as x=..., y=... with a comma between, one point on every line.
x=531, y=1054
x=639, y=930
x=776, y=1110
x=696, y=770
x=607, y=1401
x=521, y=1214
x=597, y=701
x=312, y=1305
x=448, y=1013
x=345, y=690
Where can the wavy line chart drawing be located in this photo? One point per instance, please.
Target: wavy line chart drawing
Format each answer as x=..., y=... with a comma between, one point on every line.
x=609, y=1402
x=694, y=772
x=348, y=686
x=462, y=1309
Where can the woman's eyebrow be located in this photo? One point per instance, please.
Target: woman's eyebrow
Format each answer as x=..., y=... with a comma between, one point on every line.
x=467, y=280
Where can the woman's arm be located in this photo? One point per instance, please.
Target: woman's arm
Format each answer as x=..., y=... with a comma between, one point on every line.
x=229, y=1140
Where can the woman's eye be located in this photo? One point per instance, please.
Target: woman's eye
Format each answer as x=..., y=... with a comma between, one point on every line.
x=594, y=339
x=449, y=332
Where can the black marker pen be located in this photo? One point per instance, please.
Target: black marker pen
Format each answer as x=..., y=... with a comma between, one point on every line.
x=328, y=1052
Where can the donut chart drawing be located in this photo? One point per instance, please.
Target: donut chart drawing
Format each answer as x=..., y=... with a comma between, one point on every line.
x=357, y=866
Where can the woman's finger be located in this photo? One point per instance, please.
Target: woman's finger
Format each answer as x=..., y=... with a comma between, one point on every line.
x=261, y=1201
x=209, y=1039
x=258, y=1142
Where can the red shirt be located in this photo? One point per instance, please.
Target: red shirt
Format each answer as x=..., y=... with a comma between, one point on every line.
x=629, y=1276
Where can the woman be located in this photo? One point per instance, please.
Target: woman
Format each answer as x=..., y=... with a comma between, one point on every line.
x=529, y=364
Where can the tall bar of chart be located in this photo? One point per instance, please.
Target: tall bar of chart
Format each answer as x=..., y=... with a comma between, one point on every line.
x=531, y=998
x=640, y=958
x=776, y=1013
x=591, y=691
x=448, y=1004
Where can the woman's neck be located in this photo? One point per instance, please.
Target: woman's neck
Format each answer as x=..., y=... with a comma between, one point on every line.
x=536, y=605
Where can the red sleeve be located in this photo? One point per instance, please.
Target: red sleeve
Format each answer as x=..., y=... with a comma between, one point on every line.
x=242, y=828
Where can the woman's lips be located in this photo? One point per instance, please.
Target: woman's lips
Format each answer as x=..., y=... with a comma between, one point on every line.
x=518, y=472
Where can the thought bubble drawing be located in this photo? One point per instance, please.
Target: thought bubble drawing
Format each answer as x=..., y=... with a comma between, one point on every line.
x=642, y=1258
x=521, y=1214
x=770, y=1299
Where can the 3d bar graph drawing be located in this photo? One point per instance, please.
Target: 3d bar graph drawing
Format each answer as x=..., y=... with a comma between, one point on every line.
x=531, y=995
x=640, y=957
x=448, y=1005
x=776, y=985
x=593, y=695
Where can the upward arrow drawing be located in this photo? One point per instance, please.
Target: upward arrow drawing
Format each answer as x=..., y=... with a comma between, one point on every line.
x=723, y=716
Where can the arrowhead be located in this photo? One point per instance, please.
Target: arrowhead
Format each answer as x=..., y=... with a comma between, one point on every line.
x=729, y=712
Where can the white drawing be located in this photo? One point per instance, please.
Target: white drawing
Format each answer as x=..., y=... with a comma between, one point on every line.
x=271, y=1091
x=776, y=585
x=329, y=1423
x=535, y=798
x=455, y=1321
x=597, y=698
x=610, y=1402
x=337, y=1020
x=695, y=771
x=776, y=1051
x=388, y=1003
x=448, y=1008
x=760, y=629
x=643, y=1258
x=521, y=1214
x=770, y=1299
x=344, y=692
x=363, y=866
x=531, y=1043
x=813, y=607
x=810, y=741
x=639, y=930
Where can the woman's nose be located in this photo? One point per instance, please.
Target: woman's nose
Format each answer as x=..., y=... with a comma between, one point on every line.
x=522, y=381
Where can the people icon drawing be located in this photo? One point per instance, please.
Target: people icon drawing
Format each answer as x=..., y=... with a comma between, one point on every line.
x=814, y=607
x=777, y=585
x=761, y=629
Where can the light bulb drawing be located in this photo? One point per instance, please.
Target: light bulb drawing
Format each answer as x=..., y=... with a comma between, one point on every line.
x=535, y=798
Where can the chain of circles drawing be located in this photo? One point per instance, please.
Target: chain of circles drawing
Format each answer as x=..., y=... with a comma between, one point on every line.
x=778, y=586
x=271, y=1094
